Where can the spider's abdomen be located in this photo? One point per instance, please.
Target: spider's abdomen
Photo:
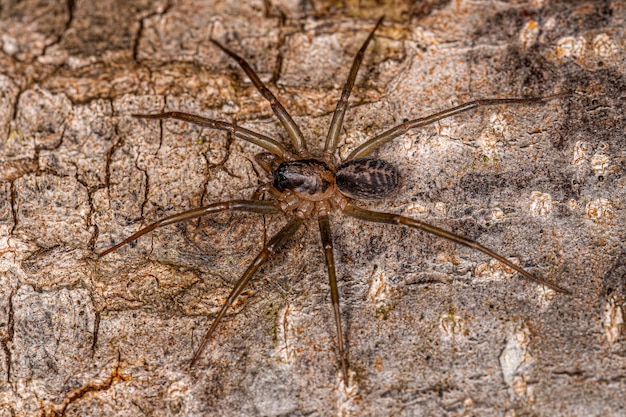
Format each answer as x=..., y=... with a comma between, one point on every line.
x=368, y=178
x=310, y=178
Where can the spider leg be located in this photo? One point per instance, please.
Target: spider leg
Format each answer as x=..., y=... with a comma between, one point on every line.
x=335, y=126
x=271, y=248
x=261, y=207
x=258, y=139
x=327, y=243
x=279, y=110
x=379, y=217
x=388, y=135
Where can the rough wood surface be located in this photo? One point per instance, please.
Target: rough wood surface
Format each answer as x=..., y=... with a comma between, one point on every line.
x=433, y=329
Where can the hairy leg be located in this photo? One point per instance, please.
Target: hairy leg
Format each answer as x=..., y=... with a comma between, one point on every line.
x=279, y=110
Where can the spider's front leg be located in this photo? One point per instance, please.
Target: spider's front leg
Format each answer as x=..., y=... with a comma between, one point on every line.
x=337, y=122
x=248, y=135
x=279, y=110
x=380, y=217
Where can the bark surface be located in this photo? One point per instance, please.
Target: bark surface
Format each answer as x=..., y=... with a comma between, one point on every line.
x=432, y=328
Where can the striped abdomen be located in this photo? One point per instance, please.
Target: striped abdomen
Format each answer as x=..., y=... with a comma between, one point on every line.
x=368, y=178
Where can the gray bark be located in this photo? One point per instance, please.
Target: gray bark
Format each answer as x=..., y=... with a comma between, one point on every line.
x=432, y=328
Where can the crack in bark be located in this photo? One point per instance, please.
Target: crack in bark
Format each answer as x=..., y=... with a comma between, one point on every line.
x=119, y=142
x=9, y=337
x=13, y=204
x=146, y=191
x=96, y=330
x=77, y=394
x=71, y=7
x=139, y=34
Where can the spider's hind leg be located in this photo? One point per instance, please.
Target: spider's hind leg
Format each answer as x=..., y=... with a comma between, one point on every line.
x=380, y=217
x=277, y=241
x=388, y=135
x=327, y=244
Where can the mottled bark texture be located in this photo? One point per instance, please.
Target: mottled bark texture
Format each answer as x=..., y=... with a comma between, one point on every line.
x=432, y=328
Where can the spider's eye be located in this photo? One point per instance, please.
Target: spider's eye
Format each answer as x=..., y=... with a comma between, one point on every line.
x=368, y=178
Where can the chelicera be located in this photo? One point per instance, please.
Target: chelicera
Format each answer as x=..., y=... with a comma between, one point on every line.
x=306, y=186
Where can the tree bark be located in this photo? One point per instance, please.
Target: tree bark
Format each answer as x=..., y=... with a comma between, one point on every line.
x=431, y=328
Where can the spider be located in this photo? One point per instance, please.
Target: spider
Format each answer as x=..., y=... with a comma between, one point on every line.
x=306, y=186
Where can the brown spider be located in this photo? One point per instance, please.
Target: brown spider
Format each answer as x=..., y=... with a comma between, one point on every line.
x=307, y=187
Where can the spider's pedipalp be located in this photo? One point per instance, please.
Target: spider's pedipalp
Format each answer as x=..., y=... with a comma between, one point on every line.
x=380, y=217
x=268, y=161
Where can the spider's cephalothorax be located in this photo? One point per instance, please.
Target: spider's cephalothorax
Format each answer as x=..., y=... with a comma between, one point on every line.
x=304, y=187
x=308, y=188
x=310, y=179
